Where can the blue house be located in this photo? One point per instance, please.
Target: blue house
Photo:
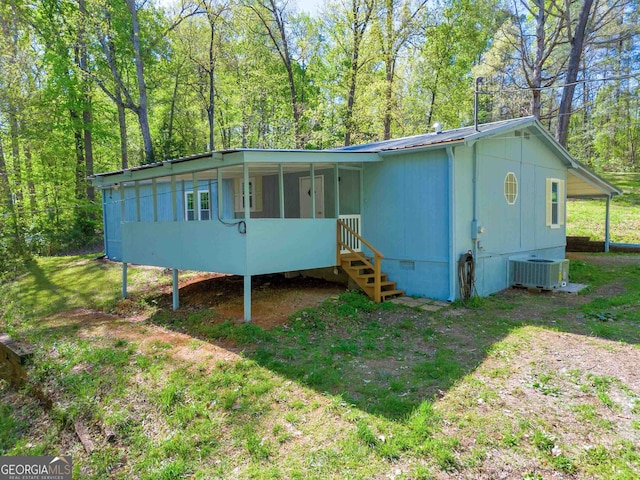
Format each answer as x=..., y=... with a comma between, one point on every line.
x=396, y=215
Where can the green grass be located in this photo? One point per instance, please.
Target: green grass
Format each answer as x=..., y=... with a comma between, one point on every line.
x=587, y=217
x=349, y=389
x=10, y=427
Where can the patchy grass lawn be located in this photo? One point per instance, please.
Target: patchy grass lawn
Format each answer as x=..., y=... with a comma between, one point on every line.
x=587, y=217
x=520, y=385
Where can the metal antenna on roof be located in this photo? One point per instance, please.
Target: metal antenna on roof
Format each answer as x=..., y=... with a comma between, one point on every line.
x=476, y=92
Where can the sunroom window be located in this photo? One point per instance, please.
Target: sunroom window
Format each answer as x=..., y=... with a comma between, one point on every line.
x=197, y=210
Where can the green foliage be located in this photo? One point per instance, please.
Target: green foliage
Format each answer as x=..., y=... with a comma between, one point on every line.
x=10, y=428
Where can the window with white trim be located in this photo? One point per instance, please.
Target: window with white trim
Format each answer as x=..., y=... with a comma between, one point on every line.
x=555, y=202
x=203, y=207
x=255, y=194
x=511, y=188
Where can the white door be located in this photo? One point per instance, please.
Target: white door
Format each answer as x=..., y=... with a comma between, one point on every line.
x=305, y=197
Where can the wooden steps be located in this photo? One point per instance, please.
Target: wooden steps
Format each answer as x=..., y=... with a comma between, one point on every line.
x=365, y=271
x=362, y=270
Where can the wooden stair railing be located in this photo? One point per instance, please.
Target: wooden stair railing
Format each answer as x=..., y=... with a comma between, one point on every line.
x=366, y=272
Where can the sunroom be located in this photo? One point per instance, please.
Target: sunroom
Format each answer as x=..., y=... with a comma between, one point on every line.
x=242, y=212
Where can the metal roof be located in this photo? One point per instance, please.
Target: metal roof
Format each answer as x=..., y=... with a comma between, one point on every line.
x=583, y=183
x=456, y=135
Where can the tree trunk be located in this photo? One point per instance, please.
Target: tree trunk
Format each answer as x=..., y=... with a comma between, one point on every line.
x=79, y=150
x=294, y=99
x=5, y=189
x=122, y=124
x=388, y=98
x=389, y=65
x=348, y=119
x=172, y=112
x=28, y=170
x=573, y=67
x=536, y=83
x=142, y=110
x=359, y=26
x=15, y=152
x=86, y=101
x=211, y=106
x=433, y=101
x=7, y=198
x=281, y=43
x=110, y=52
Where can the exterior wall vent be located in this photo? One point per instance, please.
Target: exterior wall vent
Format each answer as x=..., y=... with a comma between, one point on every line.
x=407, y=265
x=539, y=273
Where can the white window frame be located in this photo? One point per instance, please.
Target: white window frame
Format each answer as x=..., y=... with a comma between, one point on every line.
x=198, y=207
x=255, y=194
x=511, y=188
x=559, y=205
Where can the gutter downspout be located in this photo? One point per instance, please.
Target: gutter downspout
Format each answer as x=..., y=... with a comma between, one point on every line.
x=452, y=227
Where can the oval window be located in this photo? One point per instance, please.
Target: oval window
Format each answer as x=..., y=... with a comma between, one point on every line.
x=511, y=188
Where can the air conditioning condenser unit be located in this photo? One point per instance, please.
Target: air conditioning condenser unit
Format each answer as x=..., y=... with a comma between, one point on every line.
x=539, y=273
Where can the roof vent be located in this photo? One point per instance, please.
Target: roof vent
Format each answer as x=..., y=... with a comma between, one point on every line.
x=437, y=127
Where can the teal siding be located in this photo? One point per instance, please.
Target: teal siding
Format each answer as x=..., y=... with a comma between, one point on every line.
x=269, y=245
x=112, y=224
x=406, y=217
x=209, y=246
x=509, y=230
x=406, y=205
x=282, y=245
x=113, y=208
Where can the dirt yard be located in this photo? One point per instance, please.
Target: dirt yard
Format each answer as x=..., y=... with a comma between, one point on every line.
x=274, y=298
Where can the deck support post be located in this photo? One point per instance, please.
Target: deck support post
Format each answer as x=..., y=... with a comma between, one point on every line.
x=246, y=193
x=174, y=200
x=361, y=179
x=281, y=189
x=137, y=188
x=176, y=294
x=336, y=187
x=247, y=298
x=124, y=279
x=196, y=197
x=312, y=190
x=123, y=209
x=606, y=224
x=219, y=191
x=154, y=193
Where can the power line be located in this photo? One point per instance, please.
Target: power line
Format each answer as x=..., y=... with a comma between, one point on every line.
x=550, y=87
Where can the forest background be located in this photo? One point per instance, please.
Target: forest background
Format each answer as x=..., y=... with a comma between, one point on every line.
x=97, y=85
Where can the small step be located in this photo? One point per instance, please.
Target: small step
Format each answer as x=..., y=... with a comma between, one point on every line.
x=359, y=270
x=372, y=276
x=357, y=263
x=347, y=258
x=391, y=293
